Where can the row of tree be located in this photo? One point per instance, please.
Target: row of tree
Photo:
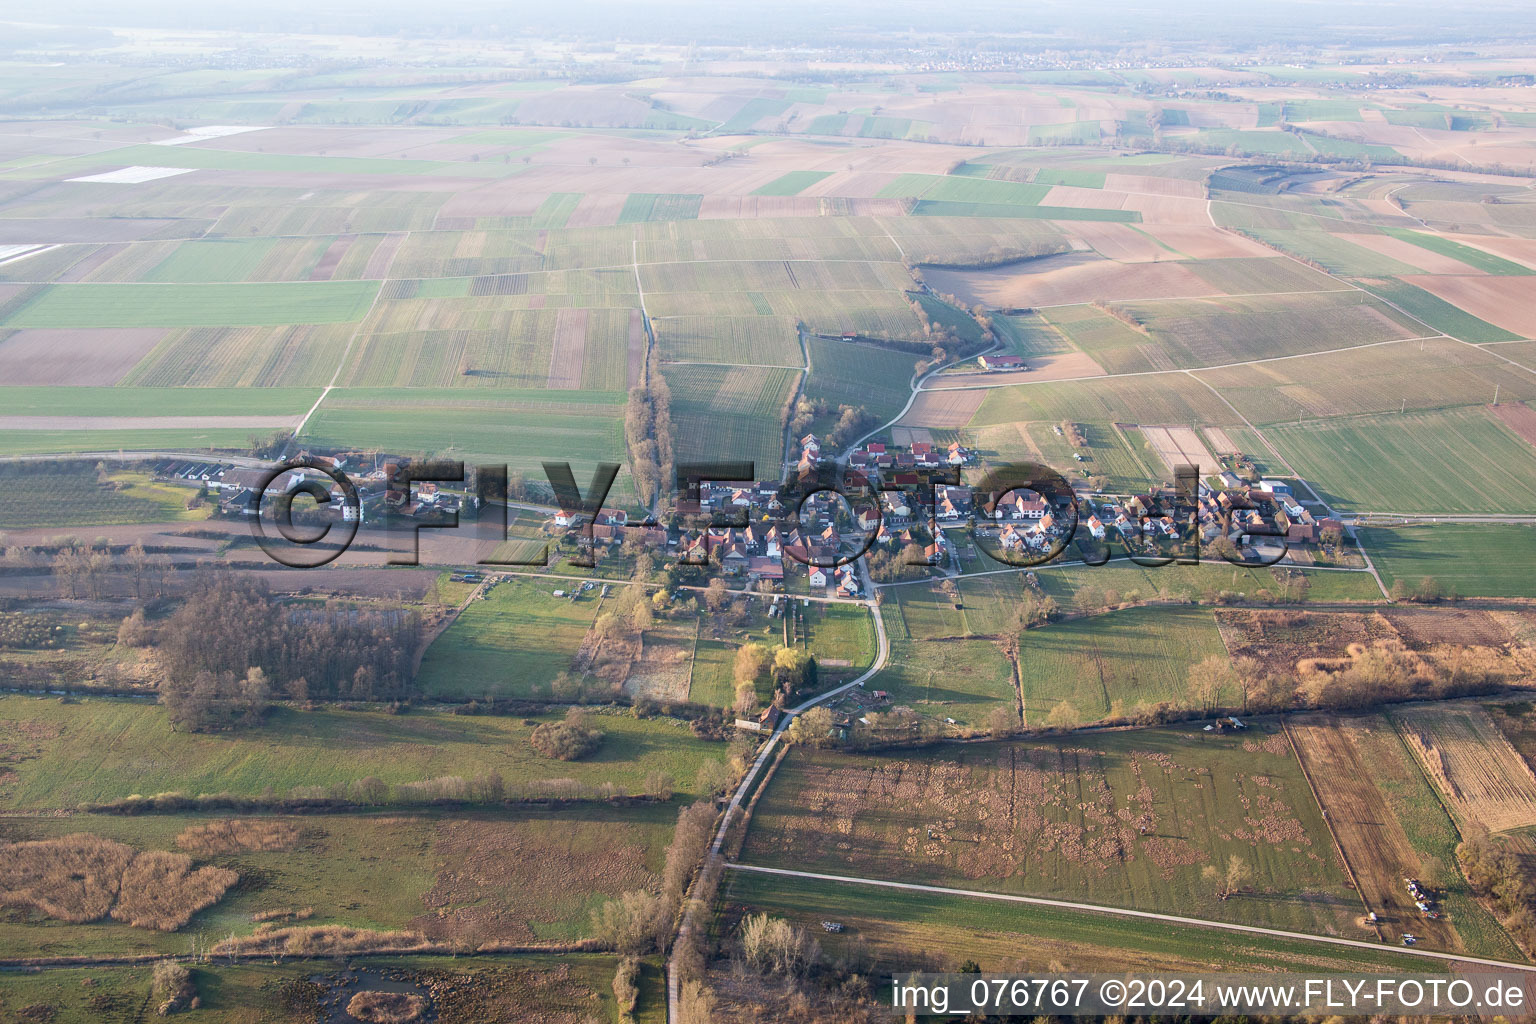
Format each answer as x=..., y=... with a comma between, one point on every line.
x=648, y=433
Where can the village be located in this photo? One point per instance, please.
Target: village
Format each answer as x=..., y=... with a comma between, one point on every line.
x=901, y=510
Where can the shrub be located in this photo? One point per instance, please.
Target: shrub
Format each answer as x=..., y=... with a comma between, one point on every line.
x=569, y=740
x=626, y=986
x=387, y=1007
x=82, y=878
x=237, y=836
x=174, y=988
x=161, y=891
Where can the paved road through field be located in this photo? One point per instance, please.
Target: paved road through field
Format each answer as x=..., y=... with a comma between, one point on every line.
x=695, y=905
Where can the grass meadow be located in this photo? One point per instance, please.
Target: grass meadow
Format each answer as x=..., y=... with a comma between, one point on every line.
x=512, y=644
x=1110, y=662
x=940, y=932
x=103, y=750
x=388, y=873
x=962, y=678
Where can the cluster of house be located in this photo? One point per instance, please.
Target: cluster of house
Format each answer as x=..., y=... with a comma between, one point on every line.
x=242, y=491
x=1272, y=510
x=1243, y=514
x=888, y=463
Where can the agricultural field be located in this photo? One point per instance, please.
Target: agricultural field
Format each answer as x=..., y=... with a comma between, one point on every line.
x=1461, y=460
x=1471, y=560
x=852, y=373
x=77, y=494
x=1210, y=332
x=1434, y=374
x=1082, y=819
x=1160, y=398
x=1391, y=825
x=1472, y=765
x=475, y=249
x=516, y=428
x=63, y=756
x=791, y=184
x=1125, y=465
x=202, y=305
x=730, y=412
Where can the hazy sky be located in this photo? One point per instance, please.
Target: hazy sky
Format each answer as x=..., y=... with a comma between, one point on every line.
x=1322, y=22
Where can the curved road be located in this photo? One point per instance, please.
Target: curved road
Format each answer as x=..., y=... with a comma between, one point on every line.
x=695, y=905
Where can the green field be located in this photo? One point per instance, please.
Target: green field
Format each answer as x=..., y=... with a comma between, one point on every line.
x=850, y=373
x=841, y=636
x=102, y=750
x=1113, y=344
x=70, y=494
x=1484, y=261
x=730, y=412
x=1334, y=254
x=712, y=681
x=943, y=208
x=1155, y=398
x=963, y=679
x=751, y=112
x=196, y=305
x=371, y=871
x=642, y=207
x=1108, y=453
x=1434, y=374
x=1436, y=312
x=897, y=926
x=509, y=645
x=1209, y=332
x=92, y=401
x=56, y=442
x=1086, y=588
x=760, y=340
x=792, y=183
x=514, y=428
x=213, y=260
x=1481, y=560
x=1458, y=460
x=1109, y=664
x=1124, y=819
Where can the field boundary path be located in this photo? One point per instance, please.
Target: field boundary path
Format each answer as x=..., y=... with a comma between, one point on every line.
x=1147, y=915
x=712, y=860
